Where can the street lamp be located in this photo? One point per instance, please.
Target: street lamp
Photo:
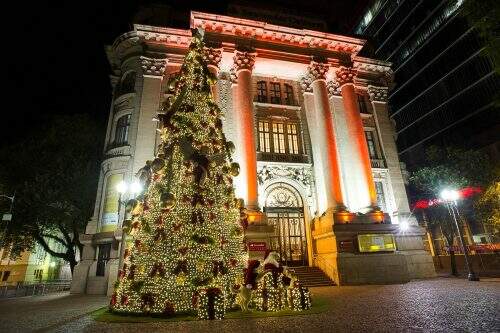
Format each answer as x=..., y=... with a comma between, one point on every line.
x=123, y=188
x=450, y=197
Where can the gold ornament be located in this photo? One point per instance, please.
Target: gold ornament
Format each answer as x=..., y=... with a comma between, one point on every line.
x=230, y=147
x=200, y=265
x=181, y=278
x=167, y=200
x=137, y=210
x=235, y=169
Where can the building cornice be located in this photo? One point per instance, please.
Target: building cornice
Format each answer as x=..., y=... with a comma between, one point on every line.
x=262, y=31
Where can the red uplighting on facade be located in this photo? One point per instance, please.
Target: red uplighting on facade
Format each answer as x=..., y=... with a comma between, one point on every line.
x=465, y=193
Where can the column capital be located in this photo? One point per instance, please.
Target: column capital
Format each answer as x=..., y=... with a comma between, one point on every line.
x=243, y=60
x=345, y=75
x=153, y=66
x=317, y=70
x=306, y=83
x=333, y=88
x=378, y=94
x=212, y=56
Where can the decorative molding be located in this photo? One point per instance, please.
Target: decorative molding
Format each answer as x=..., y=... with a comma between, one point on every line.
x=301, y=174
x=378, y=94
x=317, y=70
x=262, y=31
x=306, y=83
x=243, y=60
x=345, y=75
x=153, y=66
x=333, y=88
x=212, y=56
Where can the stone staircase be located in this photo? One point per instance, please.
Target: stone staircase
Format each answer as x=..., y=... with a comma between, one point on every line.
x=312, y=276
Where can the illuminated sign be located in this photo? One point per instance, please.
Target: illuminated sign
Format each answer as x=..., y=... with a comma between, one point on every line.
x=376, y=243
x=257, y=246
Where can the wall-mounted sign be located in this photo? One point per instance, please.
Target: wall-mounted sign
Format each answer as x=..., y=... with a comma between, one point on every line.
x=257, y=246
x=346, y=246
x=376, y=243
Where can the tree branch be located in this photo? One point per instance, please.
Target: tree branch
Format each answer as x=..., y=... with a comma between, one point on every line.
x=47, y=248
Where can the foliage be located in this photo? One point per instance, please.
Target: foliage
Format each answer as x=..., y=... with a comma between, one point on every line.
x=488, y=207
x=54, y=174
x=183, y=247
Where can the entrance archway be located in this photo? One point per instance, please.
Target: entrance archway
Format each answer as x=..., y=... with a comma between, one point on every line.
x=285, y=211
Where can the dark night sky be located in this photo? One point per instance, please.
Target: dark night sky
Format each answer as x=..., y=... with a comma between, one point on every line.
x=55, y=53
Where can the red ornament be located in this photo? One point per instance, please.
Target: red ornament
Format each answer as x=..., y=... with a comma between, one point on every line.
x=124, y=300
x=113, y=299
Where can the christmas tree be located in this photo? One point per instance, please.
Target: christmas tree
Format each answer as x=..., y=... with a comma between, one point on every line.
x=185, y=251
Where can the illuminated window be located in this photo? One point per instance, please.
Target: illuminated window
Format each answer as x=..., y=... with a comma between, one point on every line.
x=275, y=93
x=122, y=127
x=279, y=138
x=264, y=137
x=262, y=91
x=379, y=187
x=293, y=139
x=6, y=275
x=289, y=95
x=370, y=141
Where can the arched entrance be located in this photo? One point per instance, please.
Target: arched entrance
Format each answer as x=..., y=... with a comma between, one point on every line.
x=285, y=211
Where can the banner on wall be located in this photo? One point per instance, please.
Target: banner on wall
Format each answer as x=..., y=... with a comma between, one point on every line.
x=109, y=221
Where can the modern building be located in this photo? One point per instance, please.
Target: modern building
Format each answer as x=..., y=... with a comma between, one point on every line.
x=32, y=266
x=320, y=174
x=445, y=82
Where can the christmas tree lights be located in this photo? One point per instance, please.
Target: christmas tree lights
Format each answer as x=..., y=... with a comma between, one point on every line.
x=186, y=249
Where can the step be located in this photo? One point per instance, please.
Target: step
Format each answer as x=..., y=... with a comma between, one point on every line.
x=312, y=276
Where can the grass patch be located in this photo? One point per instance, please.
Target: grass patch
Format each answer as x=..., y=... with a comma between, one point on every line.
x=319, y=305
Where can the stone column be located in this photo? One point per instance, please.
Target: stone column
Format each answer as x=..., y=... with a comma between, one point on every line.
x=243, y=110
x=378, y=98
x=362, y=178
x=152, y=77
x=325, y=137
x=213, y=57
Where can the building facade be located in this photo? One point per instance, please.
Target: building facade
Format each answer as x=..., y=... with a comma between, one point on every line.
x=446, y=83
x=318, y=162
x=32, y=266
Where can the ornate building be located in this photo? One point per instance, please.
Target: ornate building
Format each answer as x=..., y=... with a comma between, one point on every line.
x=320, y=174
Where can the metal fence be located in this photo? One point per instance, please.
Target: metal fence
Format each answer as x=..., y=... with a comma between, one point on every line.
x=32, y=289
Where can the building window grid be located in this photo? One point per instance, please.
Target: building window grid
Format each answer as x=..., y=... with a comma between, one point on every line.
x=275, y=93
x=279, y=137
x=372, y=148
x=289, y=95
x=122, y=129
x=379, y=188
x=262, y=91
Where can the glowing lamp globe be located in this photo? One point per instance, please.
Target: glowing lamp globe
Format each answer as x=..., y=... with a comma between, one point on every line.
x=450, y=195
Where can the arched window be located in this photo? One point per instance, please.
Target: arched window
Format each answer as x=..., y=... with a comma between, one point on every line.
x=289, y=95
x=128, y=83
x=262, y=92
x=275, y=93
x=122, y=127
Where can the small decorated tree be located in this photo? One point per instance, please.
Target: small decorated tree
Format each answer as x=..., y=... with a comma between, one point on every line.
x=186, y=251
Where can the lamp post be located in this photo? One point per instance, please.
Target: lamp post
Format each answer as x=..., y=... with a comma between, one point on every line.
x=123, y=188
x=450, y=197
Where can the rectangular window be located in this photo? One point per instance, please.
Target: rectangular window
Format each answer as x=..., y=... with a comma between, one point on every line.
x=275, y=93
x=102, y=258
x=289, y=95
x=122, y=126
x=361, y=104
x=262, y=92
x=379, y=187
x=370, y=141
x=264, y=137
x=293, y=139
x=279, y=138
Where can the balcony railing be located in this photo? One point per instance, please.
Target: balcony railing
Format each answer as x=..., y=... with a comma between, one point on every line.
x=281, y=158
x=378, y=163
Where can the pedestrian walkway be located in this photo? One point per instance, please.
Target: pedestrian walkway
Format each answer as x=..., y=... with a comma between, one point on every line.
x=434, y=305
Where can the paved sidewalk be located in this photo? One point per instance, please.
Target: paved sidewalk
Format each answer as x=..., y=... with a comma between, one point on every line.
x=43, y=313
x=436, y=305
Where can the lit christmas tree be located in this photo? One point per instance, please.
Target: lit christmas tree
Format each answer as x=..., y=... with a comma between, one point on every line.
x=186, y=248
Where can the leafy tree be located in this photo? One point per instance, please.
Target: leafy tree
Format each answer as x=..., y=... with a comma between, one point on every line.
x=54, y=174
x=488, y=207
x=451, y=168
